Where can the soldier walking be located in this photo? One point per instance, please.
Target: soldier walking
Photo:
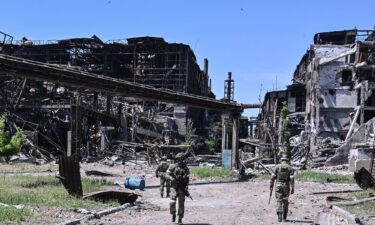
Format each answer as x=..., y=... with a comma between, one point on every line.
x=178, y=173
x=161, y=173
x=283, y=175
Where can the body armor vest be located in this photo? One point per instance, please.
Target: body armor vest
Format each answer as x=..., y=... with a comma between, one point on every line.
x=283, y=174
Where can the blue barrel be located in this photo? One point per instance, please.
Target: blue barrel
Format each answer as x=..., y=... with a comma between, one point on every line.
x=135, y=183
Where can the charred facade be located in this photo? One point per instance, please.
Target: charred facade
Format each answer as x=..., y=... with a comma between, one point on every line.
x=335, y=76
x=48, y=111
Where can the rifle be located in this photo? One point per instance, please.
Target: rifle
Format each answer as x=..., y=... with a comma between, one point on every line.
x=269, y=200
x=187, y=194
x=179, y=184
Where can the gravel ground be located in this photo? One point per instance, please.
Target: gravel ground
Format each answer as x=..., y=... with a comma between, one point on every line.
x=223, y=202
x=215, y=202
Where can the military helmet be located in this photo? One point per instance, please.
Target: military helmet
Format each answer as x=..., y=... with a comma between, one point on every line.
x=284, y=158
x=180, y=156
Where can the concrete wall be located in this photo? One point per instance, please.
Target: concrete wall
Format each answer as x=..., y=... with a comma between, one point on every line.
x=359, y=158
x=335, y=101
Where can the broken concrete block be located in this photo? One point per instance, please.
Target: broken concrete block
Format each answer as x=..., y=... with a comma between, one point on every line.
x=359, y=158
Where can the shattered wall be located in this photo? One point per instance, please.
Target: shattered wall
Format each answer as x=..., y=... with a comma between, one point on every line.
x=337, y=75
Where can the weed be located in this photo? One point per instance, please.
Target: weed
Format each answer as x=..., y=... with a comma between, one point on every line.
x=45, y=191
x=26, y=167
x=204, y=172
x=312, y=176
x=363, y=209
x=265, y=176
x=12, y=214
x=320, y=177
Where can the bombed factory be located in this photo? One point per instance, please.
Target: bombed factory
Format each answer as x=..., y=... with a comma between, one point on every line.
x=331, y=103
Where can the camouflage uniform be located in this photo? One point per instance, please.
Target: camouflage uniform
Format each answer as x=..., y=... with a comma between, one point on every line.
x=283, y=175
x=178, y=173
x=161, y=173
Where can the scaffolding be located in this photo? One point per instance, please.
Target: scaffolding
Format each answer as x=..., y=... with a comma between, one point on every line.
x=145, y=60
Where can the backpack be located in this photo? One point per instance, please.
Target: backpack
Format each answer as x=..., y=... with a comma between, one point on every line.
x=284, y=172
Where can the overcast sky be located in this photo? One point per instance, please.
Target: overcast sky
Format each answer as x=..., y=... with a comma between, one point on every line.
x=256, y=40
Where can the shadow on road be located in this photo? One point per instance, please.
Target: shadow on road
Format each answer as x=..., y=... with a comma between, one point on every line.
x=300, y=221
x=197, y=224
x=203, y=183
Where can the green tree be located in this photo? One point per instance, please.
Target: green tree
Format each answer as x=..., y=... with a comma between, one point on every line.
x=285, y=130
x=214, y=137
x=190, y=132
x=9, y=145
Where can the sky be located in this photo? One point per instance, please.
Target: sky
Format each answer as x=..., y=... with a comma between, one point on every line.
x=258, y=41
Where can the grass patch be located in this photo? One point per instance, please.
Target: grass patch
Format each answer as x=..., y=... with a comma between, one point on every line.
x=312, y=176
x=363, y=209
x=265, y=176
x=12, y=214
x=319, y=177
x=360, y=210
x=45, y=191
x=205, y=172
x=26, y=167
x=361, y=194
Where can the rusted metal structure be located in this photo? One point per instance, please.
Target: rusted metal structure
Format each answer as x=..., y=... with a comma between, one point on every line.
x=144, y=60
x=88, y=87
x=73, y=78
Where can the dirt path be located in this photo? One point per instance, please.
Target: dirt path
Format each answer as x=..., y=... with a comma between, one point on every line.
x=215, y=202
x=226, y=203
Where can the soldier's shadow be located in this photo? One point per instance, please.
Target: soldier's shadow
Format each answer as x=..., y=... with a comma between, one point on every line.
x=197, y=224
x=300, y=221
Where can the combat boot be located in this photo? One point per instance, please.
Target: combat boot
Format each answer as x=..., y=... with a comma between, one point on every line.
x=179, y=220
x=173, y=217
x=167, y=195
x=280, y=217
x=285, y=214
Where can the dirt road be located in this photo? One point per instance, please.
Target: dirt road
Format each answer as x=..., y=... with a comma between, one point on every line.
x=226, y=203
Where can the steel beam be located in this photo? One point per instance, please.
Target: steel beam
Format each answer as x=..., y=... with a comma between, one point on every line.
x=14, y=66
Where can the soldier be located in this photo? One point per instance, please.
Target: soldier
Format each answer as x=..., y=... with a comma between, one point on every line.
x=161, y=172
x=283, y=175
x=178, y=173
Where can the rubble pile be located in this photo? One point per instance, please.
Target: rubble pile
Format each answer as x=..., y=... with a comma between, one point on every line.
x=330, y=98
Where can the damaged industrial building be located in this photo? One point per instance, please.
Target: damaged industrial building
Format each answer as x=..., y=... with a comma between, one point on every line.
x=145, y=60
x=332, y=104
x=330, y=99
x=84, y=98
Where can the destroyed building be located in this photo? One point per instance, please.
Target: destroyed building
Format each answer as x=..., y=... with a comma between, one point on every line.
x=47, y=111
x=336, y=75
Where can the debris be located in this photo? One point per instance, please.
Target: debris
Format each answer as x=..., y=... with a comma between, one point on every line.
x=364, y=179
x=334, y=199
x=99, y=173
x=352, y=219
x=121, y=196
x=325, y=218
x=248, y=162
x=97, y=215
x=20, y=206
x=4, y=205
x=69, y=174
x=354, y=202
x=330, y=101
x=82, y=211
x=334, y=192
x=135, y=183
x=264, y=167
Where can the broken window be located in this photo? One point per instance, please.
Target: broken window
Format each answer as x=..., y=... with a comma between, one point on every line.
x=345, y=77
